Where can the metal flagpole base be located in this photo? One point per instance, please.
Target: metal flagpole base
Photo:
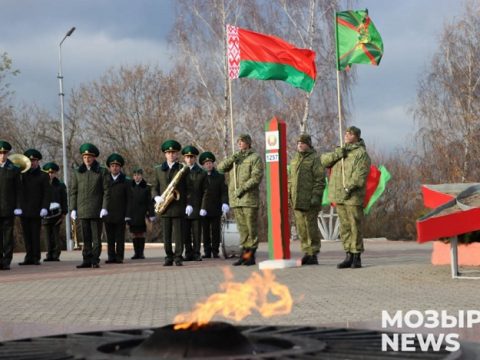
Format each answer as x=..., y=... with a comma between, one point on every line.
x=279, y=264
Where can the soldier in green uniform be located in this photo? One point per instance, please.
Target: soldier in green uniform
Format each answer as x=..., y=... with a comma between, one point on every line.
x=118, y=209
x=244, y=195
x=10, y=194
x=142, y=207
x=216, y=203
x=306, y=182
x=89, y=199
x=195, y=210
x=173, y=218
x=348, y=192
x=35, y=202
x=58, y=208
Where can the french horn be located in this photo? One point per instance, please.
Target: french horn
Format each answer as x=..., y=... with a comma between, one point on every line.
x=20, y=161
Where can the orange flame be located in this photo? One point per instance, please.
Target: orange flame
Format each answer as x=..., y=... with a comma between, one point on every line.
x=239, y=300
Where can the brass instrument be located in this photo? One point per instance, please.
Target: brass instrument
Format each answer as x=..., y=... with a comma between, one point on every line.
x=170, y=192
x=76, y=243
x=20, y=161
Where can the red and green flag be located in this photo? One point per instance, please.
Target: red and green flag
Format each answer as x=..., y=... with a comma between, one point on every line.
x=265, y=57
x=358, y=41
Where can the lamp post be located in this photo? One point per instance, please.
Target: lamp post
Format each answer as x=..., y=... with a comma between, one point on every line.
x=64, y=148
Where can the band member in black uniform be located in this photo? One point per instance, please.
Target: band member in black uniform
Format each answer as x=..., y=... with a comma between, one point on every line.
x=197, y=189
x=216, y=203
x=57, y=210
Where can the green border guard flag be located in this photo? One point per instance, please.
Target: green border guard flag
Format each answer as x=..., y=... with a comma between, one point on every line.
x=358, y=41
x=265, y=57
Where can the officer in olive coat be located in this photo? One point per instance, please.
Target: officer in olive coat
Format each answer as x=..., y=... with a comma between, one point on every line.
x=197, y=189
x=118, y=209
x=142, y=208
x=35, y=202
x=173, y=219
x=243, y=191
x=89, y=199
x=306, y=182
x=10, y=195
x=57, y=209
x=216, y=204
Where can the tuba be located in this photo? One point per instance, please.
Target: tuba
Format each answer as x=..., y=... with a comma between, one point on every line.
x=170, y=192
x=20, y=161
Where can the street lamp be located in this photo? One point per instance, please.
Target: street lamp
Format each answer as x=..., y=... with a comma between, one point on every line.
x=64, y=148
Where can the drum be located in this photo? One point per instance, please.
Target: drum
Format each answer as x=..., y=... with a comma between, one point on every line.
x=230, y=239
x=54, y=214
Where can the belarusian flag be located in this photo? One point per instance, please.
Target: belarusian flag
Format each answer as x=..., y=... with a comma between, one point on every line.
x=358, y=41
x=266, y=57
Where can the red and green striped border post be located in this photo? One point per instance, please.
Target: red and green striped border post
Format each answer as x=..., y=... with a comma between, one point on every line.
x=277, y=189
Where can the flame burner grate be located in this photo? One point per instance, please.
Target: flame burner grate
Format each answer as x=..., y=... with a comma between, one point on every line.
x=231, y=342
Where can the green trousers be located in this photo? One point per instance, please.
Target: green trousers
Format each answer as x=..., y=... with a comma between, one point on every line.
x=247, y=224
x=351, y=222
x=308, y=231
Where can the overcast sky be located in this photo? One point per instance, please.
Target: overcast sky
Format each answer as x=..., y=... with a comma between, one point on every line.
x=110, y=33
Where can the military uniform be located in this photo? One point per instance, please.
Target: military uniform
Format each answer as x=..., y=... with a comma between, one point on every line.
x=244, y=196
x=142, y=206
x=118, y=211
x=173, y=219
x=216, y=201
x=89, y=199
x=348, y=197
x=35, y=202
x=306, y=182
x=196, y=191
x=58, y=208
x=10, y=195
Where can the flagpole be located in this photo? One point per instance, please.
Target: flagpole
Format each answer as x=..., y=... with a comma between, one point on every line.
x=231, y=130
x=340, y=131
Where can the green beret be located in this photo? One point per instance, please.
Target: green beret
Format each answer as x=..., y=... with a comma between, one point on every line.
x=115, y=159
x=245, y=138
x=206, y=156
x=171, y=145
x=50, y=167
x=190, y=150
x=5, y=146
x=305, y=138
x=33, y=154
x=138, y=170
x=89, y=149
x=354, y=130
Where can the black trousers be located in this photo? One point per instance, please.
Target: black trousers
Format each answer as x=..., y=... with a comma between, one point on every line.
x=173, y=234
x=6, y=239
x=211, y=230
x=31, y=236
x=52, y=236
x=91, y=233
x=193, y=237
x=115, y=240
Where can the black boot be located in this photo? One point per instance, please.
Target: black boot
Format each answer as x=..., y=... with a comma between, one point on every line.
x=135, y=249
x=141, y=248
x=313, y=260
x=347, y=262
x=357, y=262
x=305, y=259
x=241, y=260
x=250, y=257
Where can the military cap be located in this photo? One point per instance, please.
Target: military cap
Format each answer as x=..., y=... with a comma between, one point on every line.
x=354, y=130
x=206, y=156
x=305, y=138
x=190, y=150
x=171, y=145
x=5, y=146
x=245, y=138
x=50, y=167
x=115, y=159
x=137, y=170
x=33, y=154
x=89, y=149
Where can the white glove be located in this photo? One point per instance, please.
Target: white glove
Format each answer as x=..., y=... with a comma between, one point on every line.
x=152, y=219
x=203, y=212
x=17, y=212
x=103, y=213
x=43, y=212
x=188, y=210
x=73, y=214
x=225, y=209
x=159, y=199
